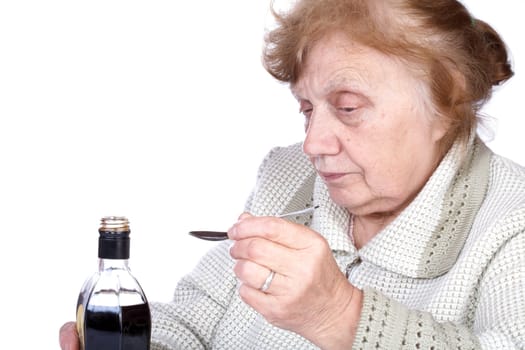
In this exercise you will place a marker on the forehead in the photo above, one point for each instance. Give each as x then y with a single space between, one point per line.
337 61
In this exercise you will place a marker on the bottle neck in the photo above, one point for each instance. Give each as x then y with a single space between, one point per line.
113 245
112 264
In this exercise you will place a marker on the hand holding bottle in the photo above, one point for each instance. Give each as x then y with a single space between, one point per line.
112 309
68 336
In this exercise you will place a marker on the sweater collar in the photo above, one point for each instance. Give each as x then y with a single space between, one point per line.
426 238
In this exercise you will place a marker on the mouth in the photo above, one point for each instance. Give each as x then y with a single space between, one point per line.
330 177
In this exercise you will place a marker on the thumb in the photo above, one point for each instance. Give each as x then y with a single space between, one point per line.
68 336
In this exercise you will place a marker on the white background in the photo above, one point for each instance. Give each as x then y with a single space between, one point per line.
156 110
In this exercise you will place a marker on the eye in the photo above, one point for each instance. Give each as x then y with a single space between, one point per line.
347 105
346 109
347 113
351 116
305 108
307 115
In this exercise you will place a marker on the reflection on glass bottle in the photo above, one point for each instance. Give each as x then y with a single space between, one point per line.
112 310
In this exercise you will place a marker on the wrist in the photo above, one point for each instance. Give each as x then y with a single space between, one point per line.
339 332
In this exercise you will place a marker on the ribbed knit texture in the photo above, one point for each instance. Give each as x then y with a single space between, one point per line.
447 273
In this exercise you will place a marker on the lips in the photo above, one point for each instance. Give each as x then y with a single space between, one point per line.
328 176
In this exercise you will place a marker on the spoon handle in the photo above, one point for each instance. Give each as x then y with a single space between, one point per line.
220 235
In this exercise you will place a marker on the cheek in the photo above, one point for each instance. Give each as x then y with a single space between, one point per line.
403 167
383 171
385 160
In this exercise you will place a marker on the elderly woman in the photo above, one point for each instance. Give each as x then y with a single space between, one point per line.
418 241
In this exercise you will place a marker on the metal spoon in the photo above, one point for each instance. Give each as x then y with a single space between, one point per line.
221 235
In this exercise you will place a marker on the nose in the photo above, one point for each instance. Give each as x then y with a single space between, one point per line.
321 135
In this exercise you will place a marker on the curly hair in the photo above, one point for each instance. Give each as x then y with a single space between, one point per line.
460 58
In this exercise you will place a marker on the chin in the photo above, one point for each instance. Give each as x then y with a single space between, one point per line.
361 203
352 201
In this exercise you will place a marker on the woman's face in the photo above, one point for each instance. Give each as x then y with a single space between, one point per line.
369 131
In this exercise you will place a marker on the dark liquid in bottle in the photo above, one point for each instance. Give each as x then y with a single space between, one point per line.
106 331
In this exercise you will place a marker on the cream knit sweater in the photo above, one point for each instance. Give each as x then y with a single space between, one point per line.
447 273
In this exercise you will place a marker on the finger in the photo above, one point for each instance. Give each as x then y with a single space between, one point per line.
267 254
265 303
279 230
251 274
68 336
244 216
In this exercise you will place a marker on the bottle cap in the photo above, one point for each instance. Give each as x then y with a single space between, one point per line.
113 242
114 224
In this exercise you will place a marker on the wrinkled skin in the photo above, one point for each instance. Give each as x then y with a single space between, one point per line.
308 295
374 143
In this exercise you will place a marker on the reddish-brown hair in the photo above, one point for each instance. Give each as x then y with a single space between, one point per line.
460 58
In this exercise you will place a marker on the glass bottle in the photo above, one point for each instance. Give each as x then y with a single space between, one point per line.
112 310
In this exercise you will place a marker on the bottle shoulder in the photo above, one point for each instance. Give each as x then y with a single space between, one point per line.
112 287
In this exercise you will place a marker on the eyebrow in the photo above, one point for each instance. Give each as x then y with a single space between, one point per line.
355 83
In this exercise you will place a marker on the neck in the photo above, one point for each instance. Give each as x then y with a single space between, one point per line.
367 227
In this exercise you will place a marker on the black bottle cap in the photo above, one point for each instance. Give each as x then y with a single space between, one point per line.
113 241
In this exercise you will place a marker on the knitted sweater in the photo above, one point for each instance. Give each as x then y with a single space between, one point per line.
447 273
